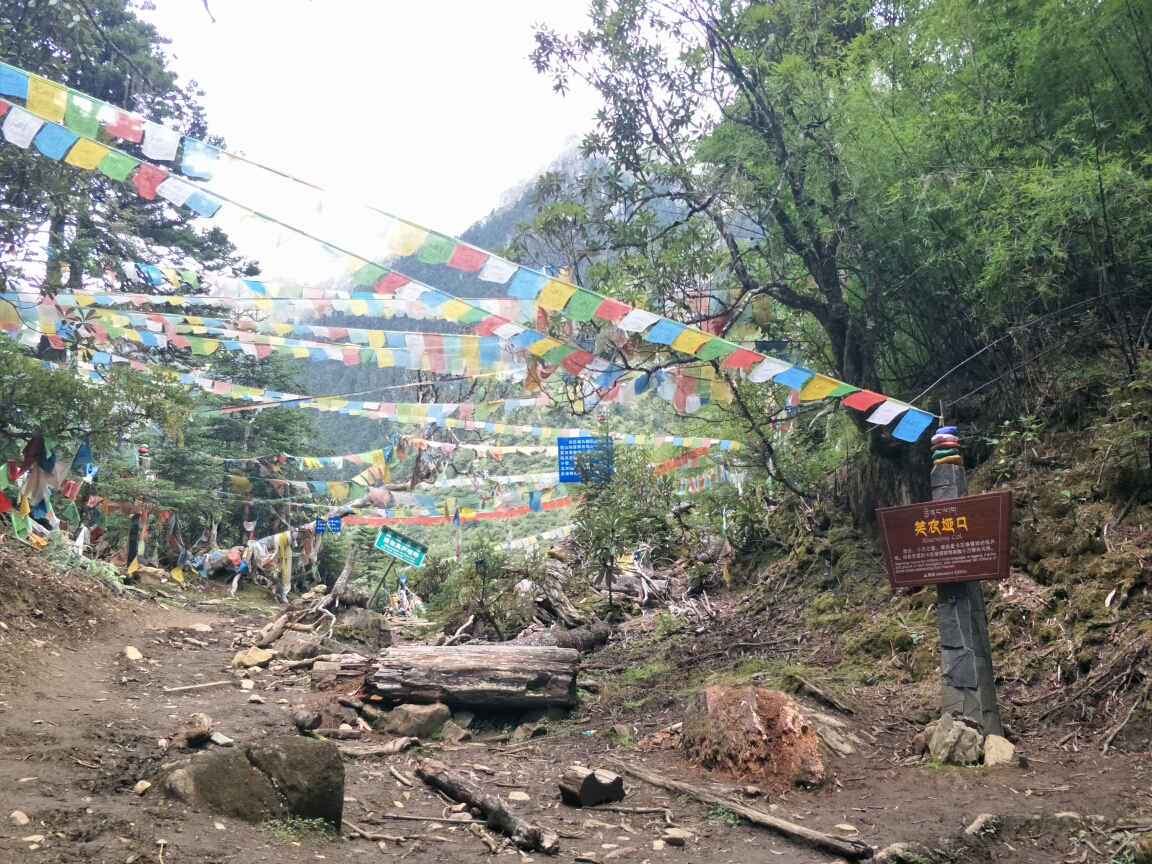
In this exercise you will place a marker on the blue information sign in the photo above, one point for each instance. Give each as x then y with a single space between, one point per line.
569 449
321 526
334 524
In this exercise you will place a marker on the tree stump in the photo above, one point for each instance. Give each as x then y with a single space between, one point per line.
585 787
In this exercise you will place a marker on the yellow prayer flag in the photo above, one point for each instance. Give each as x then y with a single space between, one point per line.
282 329
337 490
46 99
240 484
818 388
467 512
377 457
555 295
299 352
264 303
177 574
133 565
384 358
721 392
358 307
131 335
404 239
454 309
376 339
311 463
84 300
86 154
25 507
542 346
210 345
689 341
171 275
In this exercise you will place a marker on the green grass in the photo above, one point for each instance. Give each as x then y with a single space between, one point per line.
651 669
292 829
723 816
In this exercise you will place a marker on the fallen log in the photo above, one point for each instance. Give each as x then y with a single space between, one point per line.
584 638
485 676
584 787
854 850
397 745
457 786
350 659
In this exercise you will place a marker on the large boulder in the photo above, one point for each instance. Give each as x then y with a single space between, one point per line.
998 751
416 721
363 629
755 735
223 782
308 774
295 645
953 742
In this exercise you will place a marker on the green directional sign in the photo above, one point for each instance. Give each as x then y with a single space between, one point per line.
400 547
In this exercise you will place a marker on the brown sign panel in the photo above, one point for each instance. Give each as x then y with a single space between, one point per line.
950 540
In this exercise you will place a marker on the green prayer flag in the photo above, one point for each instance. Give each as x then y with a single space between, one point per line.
436 249
19 526
715 349
117 166
355 490
82 116
844 390
369 274
555 355
189 277
473 316
72 514
581 305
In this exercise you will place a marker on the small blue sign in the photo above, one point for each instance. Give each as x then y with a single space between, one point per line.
321 526
568 451
334 524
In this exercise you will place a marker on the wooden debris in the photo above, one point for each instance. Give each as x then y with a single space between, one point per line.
853 850
397 745
484 837
491 676
342 659
638 810
195 687
584 787
370 835
400 777
826 698
523 833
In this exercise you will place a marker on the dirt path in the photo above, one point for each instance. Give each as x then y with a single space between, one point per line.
81 725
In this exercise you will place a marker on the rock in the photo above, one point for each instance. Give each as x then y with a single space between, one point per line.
202 628
1068 814
224 783
132 654
657 845
998 751
893 853
919 744
460 817
544 715
463 719
18 817
371 713
247 684
308 774
844 826
194 732
220 740
416 721
759 736
980 823
621 730
350 702
952 742
305 719
141 787
362 628
344 727
526 731
324 669
519 796
676 836
453 734
295 645
256 700
252 657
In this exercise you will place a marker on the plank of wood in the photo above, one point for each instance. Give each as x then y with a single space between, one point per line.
505 675
854 850
523 833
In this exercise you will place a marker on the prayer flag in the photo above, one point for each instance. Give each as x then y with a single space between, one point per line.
160 142
13 82
117 166
664 333
391 283
122 125
436 249
637 320
767 370
54 141
582 305
862 400
497 270
690 341
199 160
612 310
741 358
82 115
203 203
795 377
147 179
819 387
176 191
87 154
717 349
20 127
46 99
887 412
555 295
526 284
467 259
912 425
404 238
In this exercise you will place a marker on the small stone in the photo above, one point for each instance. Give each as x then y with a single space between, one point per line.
919 744
893 853
305 719
1069 814
141 787
526 731
998 751
252 657
220 826
844 826
676 836
19 818
344 727
460 817
220 740
519 796
247 685
984 820
132 654
453 734
195 731
322 669
202 628
163 743
657 845
416 721
620 730
256 700
350 702
371 713
33 838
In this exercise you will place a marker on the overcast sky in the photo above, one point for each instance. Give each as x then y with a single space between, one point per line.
428 109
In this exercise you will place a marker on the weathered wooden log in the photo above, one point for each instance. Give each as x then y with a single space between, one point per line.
458 787
586 787
482 676
342 659
845 847
584 638
396 745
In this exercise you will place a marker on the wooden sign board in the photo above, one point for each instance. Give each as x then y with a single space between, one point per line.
951 540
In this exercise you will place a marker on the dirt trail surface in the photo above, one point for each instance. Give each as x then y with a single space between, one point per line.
81 725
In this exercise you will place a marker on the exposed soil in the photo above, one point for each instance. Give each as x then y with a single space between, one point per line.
81 726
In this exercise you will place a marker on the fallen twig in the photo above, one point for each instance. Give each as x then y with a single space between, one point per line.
195 686
370 835
401 777
614 809
845 847
1139 699
484 837
397 745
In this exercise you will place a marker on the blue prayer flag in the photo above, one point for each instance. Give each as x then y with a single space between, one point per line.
13 82
664 332
54 141
526 284
796 377
912 425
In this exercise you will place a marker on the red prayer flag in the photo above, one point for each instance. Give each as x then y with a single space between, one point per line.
742 358
390 283
147 178
4 106
263 351
467 259
612 310
178 341
56 342
490 325
124 126
351 357
5 504
68 489
863 400
576 362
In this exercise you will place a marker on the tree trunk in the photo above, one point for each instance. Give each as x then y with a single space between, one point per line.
482 676
584 787
884 473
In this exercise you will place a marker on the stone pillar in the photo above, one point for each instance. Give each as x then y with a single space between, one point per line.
968 685
134 537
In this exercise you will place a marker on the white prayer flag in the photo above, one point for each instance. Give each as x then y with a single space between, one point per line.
637 320
20 127
175 191
768 369
497 270
887 412
160 142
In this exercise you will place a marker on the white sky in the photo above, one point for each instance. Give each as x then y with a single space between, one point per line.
428 109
